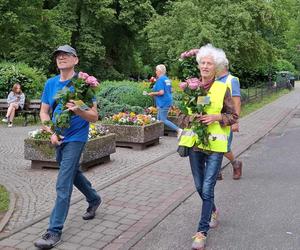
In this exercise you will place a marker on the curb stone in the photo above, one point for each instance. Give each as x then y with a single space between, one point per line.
10 211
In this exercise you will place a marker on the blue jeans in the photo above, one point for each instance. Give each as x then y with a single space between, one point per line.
68 156
162 115
205 169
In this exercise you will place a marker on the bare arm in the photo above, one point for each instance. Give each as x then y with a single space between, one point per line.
90 115
44 115
44 112
237 104
161 92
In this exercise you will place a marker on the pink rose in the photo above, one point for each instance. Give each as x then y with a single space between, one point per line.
83 75
183 55
182 85
92 81
193 83
189 53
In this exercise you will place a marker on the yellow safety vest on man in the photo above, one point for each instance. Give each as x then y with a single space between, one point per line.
218 137
228 81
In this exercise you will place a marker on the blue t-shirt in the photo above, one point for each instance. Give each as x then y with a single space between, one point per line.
79 128
235 84
165 100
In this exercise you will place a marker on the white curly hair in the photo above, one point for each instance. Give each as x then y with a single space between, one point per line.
218 56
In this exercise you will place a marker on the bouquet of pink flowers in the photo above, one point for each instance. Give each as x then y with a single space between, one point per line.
194 98
82 93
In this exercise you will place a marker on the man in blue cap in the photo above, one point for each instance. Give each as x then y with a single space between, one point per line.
69 149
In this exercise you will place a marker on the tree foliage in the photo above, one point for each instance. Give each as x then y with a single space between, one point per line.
118 39
248 31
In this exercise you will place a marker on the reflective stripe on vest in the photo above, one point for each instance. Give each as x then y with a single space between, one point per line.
218 135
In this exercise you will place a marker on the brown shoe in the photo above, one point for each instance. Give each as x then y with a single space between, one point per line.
237 169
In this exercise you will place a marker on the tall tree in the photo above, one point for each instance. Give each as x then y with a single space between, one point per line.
241 28
123 45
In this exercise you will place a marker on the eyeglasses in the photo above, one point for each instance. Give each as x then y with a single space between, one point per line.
63 55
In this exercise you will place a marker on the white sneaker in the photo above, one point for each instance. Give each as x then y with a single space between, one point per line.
4 120
10 125
214 221
199 240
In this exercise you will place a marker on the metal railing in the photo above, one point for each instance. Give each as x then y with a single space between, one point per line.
252 94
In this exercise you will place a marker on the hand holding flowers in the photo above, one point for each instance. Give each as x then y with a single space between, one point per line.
78 96
194 98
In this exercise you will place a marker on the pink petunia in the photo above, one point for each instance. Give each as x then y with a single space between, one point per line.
193 83
92 81
83 75
182 85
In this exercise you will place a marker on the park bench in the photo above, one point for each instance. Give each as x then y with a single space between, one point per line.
31 107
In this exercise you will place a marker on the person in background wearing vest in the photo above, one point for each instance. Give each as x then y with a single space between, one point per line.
206 161
69 151
234 85
162 91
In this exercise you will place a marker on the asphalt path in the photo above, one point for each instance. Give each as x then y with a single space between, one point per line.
260 211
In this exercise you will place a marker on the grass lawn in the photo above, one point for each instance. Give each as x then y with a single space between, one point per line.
252 106
19 121
4 200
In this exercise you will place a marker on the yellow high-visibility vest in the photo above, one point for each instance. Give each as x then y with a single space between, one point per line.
218 138
228 81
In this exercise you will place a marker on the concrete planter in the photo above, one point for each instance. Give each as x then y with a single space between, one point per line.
168 131
136 137
42 152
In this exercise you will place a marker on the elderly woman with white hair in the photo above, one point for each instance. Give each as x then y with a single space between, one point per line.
162 91
206 160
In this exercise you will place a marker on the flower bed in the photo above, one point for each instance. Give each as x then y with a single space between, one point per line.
41 152
130 134
125 118
172 116
151 110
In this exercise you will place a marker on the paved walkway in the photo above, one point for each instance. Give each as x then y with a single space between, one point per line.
139 187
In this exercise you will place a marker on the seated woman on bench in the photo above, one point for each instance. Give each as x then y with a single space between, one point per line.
15 100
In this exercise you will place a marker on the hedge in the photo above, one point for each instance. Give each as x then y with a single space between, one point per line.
30 79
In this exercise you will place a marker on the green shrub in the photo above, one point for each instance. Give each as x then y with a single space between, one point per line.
114 97
107 108
125 92
284 65
30 79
